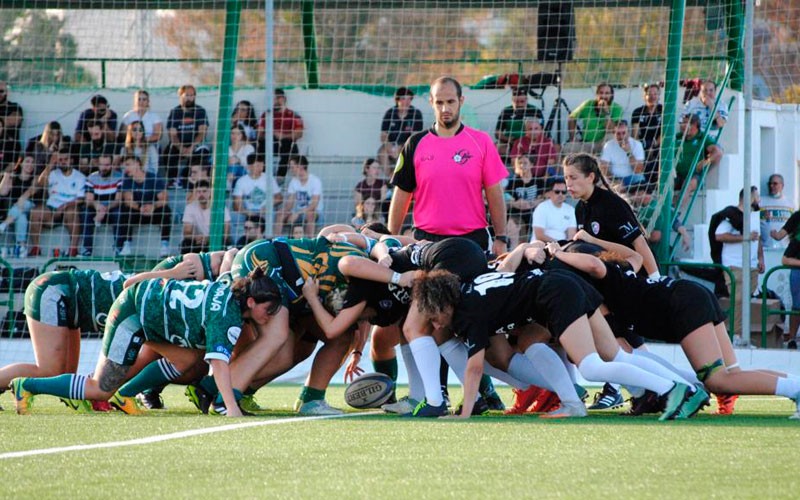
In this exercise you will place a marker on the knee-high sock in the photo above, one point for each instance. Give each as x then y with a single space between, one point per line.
504 376
153 375
788 387
428 360
68 386
455 353
686 374
651 366
416 390
387 366
595 369
550 367
567 363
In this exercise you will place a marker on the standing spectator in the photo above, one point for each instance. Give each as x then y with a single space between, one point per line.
646 127
554 220
153 124
245 116
103 201
597 118
702 104
97 145
98 113
521 194
729 233
187 125
287 129
144 201
791 257
136 145
9 148
17 191
238 151
371 186
710 155
253 230
65 192
446 170
398 123
776 209
539 148
511 122
623 156
250 192
10 113
197 221
43 146
303 204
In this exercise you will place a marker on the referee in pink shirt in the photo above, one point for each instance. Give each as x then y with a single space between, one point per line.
446 169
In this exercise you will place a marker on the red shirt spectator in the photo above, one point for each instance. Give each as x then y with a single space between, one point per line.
537 146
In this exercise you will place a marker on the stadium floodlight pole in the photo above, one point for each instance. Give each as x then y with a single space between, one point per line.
269 91
233 11
746 171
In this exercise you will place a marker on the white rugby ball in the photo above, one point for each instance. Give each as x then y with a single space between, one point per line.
370 390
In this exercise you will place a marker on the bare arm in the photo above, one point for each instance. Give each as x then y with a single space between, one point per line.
398 209
634 258
222 377
589 264
472 378
497 210
648 259
362 267
331 326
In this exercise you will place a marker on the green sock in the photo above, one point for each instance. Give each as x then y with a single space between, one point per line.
311 394
236 394
486 386
153 375
250 391
209 385
68 386
387 366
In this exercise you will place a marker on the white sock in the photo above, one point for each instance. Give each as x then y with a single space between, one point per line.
416 390
787 387
595 369
503 376
455 353
651 366
547 363
567 364
428 360
686 374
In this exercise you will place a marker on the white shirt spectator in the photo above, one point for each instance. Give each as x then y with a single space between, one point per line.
302 193
617 158
242 154
554 220
201 219
732 252
254 192
696 107
62 189
775 211
149 121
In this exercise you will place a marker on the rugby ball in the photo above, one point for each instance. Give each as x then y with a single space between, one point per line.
370 390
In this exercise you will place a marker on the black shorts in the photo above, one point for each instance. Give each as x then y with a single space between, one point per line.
460 256
624 331
479 236
563 298
690 307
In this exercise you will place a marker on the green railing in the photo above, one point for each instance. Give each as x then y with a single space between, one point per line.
710 265
765 311
9 302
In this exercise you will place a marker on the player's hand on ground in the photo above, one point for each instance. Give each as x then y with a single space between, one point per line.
352 370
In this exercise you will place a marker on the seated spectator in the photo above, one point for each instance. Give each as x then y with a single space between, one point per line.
511 122
17 191
9 148
538 148
776 208
144 201
136 145
398 124
198 171
287 129
250 194
694 144
646 128
597 118
103 201
10 113
97 145
197 221
521 198
367 211
43 146
623 157
371 186
65 193
187 125
701 106
153 124
245 116
98 113
303 204
253 230
554 220
238 151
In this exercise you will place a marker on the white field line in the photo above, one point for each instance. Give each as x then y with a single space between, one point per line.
168 437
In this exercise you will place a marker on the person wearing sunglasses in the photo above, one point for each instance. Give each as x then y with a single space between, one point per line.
554 220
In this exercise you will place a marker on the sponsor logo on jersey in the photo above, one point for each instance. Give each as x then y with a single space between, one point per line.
595 227
100 319
462 156
233 334
216 303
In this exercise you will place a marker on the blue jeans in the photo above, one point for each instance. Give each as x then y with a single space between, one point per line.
20 216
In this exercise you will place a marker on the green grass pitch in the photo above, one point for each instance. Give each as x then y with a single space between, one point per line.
752 454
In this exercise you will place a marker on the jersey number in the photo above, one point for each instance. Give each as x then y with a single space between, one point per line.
492 280
194 302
